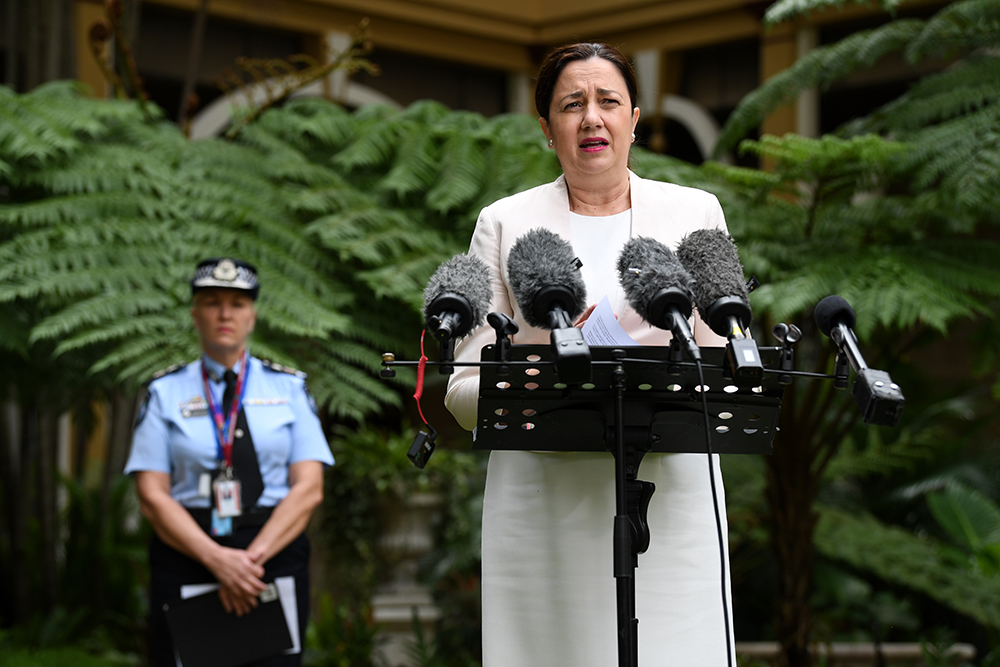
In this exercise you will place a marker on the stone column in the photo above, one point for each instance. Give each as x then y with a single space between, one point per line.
407 537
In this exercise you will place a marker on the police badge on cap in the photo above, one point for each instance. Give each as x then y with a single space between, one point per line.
229 273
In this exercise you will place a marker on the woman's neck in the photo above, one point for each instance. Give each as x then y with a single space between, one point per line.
227 358
599 201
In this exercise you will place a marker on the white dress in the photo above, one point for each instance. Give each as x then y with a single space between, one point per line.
548 583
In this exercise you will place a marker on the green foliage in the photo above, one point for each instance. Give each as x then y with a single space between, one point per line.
849 607
782 10
907 266
345 215
972 521
59 657
948 118
101 605
893 214
341 635
371 485
818 68
371 477
899 557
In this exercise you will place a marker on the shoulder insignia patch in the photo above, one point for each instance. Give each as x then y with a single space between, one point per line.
141 414
166 371
278 368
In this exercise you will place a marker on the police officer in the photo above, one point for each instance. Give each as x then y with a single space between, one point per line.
228 457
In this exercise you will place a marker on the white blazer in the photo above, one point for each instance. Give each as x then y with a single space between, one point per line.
663 211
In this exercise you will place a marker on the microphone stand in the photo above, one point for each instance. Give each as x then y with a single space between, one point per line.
649 411
631 530
651 407
625 561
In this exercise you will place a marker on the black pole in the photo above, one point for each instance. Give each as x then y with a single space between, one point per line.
625 559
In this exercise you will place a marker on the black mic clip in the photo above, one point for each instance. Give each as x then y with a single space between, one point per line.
505 326
422 448
841 372
732 313
789 335
446 354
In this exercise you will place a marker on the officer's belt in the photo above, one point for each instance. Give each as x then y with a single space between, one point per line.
254 517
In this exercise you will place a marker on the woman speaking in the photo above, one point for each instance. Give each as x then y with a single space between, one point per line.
548 591
228 457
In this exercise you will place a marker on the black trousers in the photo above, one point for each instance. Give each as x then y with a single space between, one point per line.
169 570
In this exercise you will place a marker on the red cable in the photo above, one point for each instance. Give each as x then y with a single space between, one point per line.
420 377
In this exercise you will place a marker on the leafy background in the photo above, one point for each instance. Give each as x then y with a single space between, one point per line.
847 532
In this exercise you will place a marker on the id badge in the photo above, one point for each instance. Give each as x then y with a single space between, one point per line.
221 527
227 496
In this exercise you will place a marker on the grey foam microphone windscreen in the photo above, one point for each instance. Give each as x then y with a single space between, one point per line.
646 266
542 259
710 256
464 276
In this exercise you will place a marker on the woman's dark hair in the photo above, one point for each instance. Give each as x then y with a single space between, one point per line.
556 62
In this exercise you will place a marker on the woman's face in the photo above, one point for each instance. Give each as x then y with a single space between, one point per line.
224 319
591 121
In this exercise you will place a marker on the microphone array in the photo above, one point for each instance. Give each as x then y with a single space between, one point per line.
662 287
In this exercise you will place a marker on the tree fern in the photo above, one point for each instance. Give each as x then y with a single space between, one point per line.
102 239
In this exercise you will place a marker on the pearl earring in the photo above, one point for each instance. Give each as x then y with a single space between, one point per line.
633 136
550 143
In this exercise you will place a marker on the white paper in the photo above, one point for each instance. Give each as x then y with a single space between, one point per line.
286 594
602 327
289 603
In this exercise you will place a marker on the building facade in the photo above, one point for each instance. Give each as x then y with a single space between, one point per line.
695 58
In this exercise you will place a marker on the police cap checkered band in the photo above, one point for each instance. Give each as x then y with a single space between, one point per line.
224 272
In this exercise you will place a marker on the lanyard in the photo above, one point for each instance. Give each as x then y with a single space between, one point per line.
225 428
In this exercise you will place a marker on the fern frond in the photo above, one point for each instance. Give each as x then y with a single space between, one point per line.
316 127
120 306
463 170
376 135
76 209
368 233
964 88
900 558
784 10
415 165
404 279
877 457
819 68
969 517
959 28
962 156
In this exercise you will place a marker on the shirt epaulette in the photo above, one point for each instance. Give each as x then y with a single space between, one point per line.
270 365
166 371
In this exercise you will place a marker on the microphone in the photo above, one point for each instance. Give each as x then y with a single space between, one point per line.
658 287
455 301
545 279
879 398
720 293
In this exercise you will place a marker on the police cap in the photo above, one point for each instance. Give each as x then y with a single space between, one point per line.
224 272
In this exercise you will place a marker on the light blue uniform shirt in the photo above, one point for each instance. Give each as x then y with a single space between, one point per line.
175 431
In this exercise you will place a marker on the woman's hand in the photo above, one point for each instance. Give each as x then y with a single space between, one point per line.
239 578
580 321
238 571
